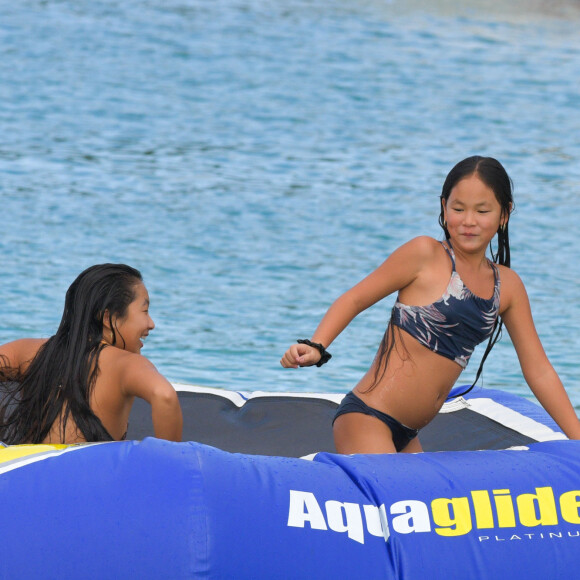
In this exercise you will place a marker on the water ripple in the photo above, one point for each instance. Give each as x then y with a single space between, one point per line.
255 161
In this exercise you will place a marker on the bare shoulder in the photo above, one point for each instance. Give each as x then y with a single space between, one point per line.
407 261
21 351
423 245
124 363
512 288
419 250
510 281
136 374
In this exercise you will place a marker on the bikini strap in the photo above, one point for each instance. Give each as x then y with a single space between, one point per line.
449 249
496 279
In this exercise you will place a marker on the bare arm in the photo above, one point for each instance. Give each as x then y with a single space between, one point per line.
399 270
141 379
538 372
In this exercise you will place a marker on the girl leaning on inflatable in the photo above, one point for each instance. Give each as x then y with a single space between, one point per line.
79 385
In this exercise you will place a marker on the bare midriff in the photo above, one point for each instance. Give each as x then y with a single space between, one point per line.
414 385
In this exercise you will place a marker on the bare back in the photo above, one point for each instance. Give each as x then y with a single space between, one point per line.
108 402
122 375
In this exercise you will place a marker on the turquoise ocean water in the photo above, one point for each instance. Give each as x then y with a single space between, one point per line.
257 159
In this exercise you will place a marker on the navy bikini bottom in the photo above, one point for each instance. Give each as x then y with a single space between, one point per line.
402 434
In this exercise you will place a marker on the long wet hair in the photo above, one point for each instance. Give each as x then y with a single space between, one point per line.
493 174
60 379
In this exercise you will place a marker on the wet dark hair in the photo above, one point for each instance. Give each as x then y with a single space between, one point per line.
62 375
493 174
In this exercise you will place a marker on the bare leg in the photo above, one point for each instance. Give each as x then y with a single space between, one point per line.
359 433
414 446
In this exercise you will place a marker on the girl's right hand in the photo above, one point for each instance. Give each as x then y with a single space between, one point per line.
300 355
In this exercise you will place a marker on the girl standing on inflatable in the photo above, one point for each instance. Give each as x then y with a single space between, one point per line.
79 385
451 297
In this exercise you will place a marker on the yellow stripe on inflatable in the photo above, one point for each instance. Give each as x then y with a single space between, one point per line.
15 456
19 451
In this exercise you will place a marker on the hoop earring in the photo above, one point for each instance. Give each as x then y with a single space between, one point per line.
445 224
502 228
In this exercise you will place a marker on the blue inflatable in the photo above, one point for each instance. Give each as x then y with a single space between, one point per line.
155 509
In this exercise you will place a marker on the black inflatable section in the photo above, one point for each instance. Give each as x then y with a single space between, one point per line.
465 430
276 425
294 426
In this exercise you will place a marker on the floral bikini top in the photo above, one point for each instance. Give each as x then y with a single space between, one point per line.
456 323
